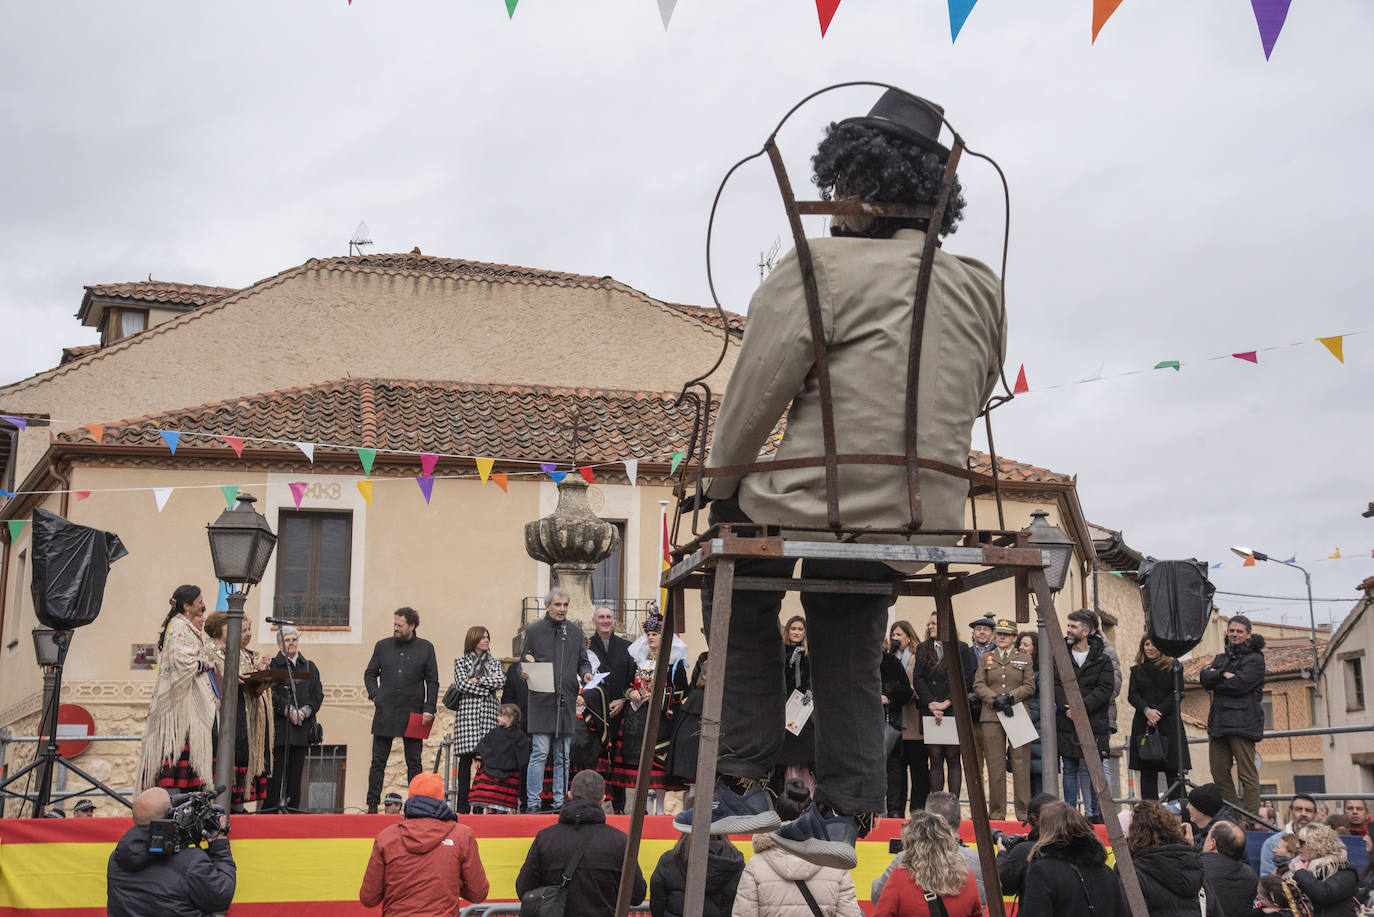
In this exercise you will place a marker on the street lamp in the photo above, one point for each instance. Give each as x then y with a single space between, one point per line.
1057 550
241 544
1247 553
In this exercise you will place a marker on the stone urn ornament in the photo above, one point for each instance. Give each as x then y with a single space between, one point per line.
572 540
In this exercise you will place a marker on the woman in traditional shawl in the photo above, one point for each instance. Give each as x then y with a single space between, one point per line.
634 723
178 741
253 742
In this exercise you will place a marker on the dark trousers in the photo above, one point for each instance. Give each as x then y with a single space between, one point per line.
945 758
1149 783
845 634
464 782
381 750
907 767
290 767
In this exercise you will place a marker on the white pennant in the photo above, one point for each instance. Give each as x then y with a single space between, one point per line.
162 494
632 469
308 449
665 9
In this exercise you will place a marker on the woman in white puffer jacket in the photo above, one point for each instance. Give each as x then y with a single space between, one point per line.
768 887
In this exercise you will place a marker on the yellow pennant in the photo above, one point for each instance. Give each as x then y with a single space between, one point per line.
365 488
1336 345
1336 556
484 468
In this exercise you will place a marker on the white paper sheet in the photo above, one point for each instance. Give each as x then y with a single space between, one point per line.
540 676
798 712
597 679
1018 726
947 733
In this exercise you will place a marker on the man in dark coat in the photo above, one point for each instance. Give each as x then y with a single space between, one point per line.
189 883
1230 880
1014 858
295 704
1093 671
553 639
402 678
1236 720
612 654
581 826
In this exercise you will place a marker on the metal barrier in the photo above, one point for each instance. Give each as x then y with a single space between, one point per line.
513 907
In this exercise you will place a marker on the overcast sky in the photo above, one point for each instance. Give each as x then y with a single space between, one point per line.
1174 197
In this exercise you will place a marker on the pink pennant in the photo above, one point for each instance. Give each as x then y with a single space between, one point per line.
427 462
298 491
82 494
235 443
1248 356
426 487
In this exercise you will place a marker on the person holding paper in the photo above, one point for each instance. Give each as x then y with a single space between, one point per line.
934 701
562 647
1005 678
402 678
625 759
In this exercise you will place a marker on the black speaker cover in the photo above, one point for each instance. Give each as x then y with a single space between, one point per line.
1178 602
70 563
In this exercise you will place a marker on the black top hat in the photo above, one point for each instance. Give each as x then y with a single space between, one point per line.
907 117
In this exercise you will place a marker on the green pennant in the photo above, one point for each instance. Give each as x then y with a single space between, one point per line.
677 460
510 8
16 526
1168 364
230 491
367 457
1116 574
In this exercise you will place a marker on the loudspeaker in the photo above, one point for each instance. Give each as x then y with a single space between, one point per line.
1178 603
70 563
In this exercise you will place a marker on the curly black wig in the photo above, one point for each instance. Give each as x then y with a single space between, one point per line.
865 163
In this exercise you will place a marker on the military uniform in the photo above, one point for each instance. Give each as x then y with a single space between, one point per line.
1012 673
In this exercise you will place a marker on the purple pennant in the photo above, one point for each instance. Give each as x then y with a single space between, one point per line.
1270 15
1292 560
19 422
426 487
547 467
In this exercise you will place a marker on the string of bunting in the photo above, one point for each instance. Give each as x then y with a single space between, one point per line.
1270 16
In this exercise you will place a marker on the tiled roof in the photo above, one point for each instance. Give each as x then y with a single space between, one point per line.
1283 660
1009 470
182 294
733 321
77 352
457 267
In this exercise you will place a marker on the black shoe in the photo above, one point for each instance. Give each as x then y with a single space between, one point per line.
823 839
732 812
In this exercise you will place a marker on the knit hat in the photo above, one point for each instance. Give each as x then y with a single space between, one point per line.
431 785
1206 799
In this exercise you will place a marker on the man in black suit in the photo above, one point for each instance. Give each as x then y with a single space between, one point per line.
401 678
293 722
612 657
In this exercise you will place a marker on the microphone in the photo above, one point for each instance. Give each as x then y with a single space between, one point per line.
279 621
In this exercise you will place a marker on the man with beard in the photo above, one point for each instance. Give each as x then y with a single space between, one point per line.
1093 671
402 678
1235 721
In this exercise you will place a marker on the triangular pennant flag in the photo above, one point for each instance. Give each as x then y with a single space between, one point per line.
308 449
826 10
484 468
500 481
161 494
1336 556
1021 386
558 476
5 493
1336 345
678 456
365 488
510 8
1270 15
235 443
16 526
547 467
665 9
1115 573
297 491
958 12
426 486
367 457
231 491
1216 566
632 470
19 422
97 430
81 494
1292 560
427 462
171 438
1249 560
1248 356
1168 364
586 474
222 600
1102 11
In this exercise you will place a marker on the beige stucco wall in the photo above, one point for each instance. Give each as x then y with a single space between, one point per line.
1281 759
1341 770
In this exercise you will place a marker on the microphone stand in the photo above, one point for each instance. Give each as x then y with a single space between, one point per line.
1182 783
283 806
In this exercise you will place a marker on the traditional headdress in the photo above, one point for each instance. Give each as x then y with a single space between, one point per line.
653 622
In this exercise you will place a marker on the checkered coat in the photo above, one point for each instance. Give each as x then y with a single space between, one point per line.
476 714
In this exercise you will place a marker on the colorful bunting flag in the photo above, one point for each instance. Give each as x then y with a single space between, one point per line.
1216 566
1102 11
825 9
484 468
665 10
171 438
958 13
367 457
547 467
1292 560
510 8
632 470
16 526
500 481
427 462
1168 364
97 430
1021 386
1248 356
1249 560
162 495
678 456
82 494
5 493
19 422
426 486
235 443
1335 344
222 600
1336 556
365 488
586 474
558 476
297 491
1270 16
308 449
1116 573
231 491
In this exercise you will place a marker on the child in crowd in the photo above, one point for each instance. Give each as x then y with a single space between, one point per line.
503 753
1285 855
1281 898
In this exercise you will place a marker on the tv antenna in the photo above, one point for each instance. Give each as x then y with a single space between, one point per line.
769 258
360 238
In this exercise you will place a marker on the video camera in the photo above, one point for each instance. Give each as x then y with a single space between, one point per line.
193 817
1007 841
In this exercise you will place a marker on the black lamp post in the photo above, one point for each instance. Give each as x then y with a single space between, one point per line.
1057 550
241 544
47 649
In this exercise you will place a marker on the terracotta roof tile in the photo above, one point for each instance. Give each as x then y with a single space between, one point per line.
1010 470
184 294
733 321
457 267
1283 660
77 352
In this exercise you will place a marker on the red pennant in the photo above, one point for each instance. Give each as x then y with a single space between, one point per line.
1249 561
586 474
1248 356
826 10
1021 386
81 494
235 443
500 481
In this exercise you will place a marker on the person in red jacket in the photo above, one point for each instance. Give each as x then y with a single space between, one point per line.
428 862
930 868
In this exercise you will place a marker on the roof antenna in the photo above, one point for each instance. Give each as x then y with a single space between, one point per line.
767 260
360 238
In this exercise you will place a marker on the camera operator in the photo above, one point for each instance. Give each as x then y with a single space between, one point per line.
186 881
1014 857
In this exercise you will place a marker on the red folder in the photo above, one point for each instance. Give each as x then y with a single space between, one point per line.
418 728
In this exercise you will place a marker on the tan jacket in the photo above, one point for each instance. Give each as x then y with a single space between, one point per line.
768 886
867 292
1015 677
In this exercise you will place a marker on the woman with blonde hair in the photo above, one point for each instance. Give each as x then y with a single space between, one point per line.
1067 875
478 679
253 741
931 869
1327 878
178 741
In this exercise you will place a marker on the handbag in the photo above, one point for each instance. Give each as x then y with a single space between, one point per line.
452 696
316 734
1151 749
891 736
551 900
